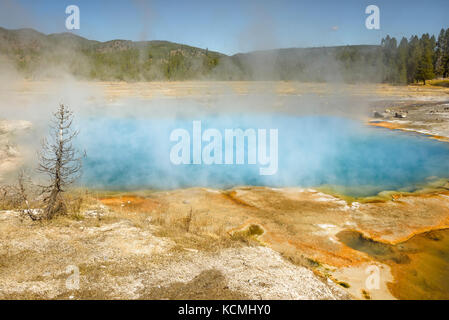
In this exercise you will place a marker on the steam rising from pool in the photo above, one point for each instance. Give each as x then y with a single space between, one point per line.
134 153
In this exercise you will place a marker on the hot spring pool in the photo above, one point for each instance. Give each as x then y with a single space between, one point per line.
313 151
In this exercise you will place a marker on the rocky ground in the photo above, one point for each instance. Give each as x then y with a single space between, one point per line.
426 117
120 256
256 243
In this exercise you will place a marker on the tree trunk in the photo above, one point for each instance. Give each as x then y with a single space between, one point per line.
55 205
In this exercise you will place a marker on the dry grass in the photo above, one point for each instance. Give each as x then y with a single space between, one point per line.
9 198
192 226
76 201
249 235
440 83
188 227
133 229
193 229
114 254
155 245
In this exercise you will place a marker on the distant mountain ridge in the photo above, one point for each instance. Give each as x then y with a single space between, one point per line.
38 55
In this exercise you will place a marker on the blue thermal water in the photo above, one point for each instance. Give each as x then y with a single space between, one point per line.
134 153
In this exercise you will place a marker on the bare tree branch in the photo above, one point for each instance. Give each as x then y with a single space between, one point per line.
59 160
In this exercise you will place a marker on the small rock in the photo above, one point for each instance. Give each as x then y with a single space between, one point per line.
377 115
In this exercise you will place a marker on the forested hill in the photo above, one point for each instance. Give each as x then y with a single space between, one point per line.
38 55
344 63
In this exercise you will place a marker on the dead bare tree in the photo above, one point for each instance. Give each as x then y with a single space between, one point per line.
9 197
188 220
22 182
59 160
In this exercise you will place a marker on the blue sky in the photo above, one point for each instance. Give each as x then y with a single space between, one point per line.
232 26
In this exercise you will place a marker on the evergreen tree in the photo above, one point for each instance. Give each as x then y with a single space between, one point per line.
414 55
433 46
402 60
440 51
445 54
425 69
389 46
